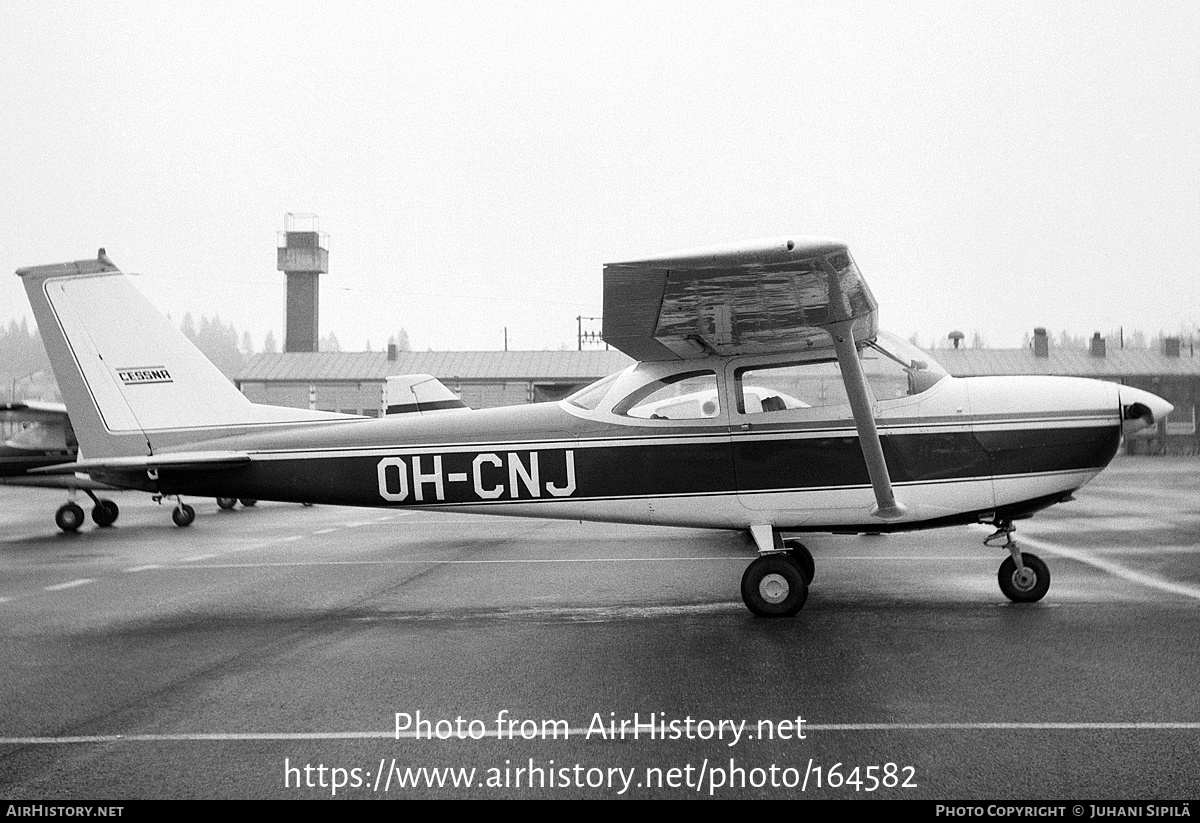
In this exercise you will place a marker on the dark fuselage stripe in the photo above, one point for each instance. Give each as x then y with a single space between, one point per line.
495 474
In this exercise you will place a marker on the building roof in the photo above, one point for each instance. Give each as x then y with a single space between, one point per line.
325 367
584 366
1065 362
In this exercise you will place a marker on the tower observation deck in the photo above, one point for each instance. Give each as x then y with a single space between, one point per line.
303 255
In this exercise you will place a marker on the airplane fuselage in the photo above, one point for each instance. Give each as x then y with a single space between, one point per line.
964 450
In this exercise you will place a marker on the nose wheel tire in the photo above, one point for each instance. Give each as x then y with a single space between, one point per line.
69 517
774 586
183 515
226 502
1027 585
247 502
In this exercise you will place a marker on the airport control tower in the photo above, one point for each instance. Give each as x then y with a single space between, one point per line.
303 256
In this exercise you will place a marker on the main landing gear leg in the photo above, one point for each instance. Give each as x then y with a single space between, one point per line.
776 583
105 512
1023 577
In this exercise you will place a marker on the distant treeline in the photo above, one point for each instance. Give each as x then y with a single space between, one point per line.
219 342
25 368
21 350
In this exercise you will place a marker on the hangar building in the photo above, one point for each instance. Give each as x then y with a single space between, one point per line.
354 382
1172 372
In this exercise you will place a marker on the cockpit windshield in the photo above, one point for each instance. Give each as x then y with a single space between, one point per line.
913 371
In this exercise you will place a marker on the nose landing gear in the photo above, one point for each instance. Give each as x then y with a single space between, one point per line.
1023 577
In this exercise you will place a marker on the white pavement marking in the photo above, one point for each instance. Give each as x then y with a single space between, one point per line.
582 733
81 582
325 531
1111 523
1112 568
147 567
903 557
437 561
20 538
197 558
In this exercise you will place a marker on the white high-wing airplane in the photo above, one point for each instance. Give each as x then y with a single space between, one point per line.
46 439
765 399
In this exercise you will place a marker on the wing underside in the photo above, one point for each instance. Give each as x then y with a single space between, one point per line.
756 297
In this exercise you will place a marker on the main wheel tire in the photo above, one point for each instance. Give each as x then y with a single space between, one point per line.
804 557
774 586
69 517
226 502
183 515
105 513
1024 586
247 502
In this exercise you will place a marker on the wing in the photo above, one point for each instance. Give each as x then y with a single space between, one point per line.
753 297
757 297
33 411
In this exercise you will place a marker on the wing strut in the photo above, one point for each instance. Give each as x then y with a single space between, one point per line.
887 507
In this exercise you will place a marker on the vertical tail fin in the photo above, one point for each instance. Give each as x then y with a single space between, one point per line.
420 393
132 382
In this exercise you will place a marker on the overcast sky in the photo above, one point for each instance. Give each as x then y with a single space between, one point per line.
994 166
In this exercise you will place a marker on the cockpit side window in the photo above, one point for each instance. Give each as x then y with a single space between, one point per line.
789 386
589 397
687 396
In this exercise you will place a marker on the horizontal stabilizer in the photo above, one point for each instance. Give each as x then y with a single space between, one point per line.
178 460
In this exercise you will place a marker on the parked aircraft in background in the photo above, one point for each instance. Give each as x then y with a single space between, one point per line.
44 438
420 394
765 399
